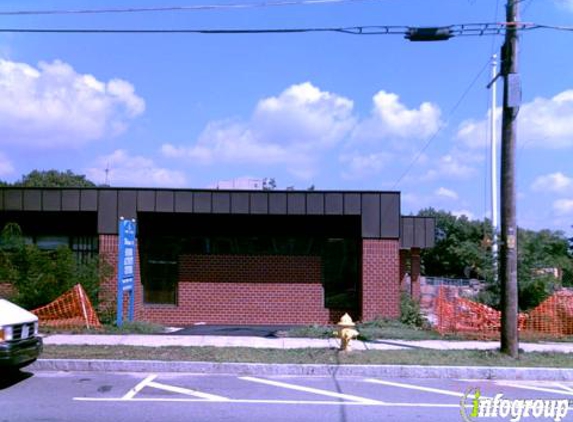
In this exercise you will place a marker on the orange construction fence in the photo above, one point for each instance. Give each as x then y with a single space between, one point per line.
73 309
457 315
554 316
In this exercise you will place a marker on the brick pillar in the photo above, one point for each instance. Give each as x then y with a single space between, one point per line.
108 285
415 276
380 279
404 257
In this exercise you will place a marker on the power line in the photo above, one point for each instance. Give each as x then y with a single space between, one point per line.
457 30
439 130
356 30
195 8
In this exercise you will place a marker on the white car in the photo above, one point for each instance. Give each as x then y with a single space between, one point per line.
20 344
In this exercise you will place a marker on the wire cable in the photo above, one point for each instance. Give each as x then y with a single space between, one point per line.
442 126
457 30
203 7
356 30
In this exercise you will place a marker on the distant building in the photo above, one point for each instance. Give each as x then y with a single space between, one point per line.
555 272
241 184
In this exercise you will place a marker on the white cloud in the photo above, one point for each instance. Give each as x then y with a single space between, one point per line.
6 167
291 129
54 106
554 182
567 4
467 213
303 115
563 207
359 166
477 133
391 119
127 170
446 193
455 164
542 123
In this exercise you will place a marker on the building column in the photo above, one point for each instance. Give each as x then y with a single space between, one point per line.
380 279
404 258
415 275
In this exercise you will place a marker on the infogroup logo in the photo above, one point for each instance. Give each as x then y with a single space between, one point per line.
474 406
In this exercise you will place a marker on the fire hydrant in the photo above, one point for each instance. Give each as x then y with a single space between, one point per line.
345 332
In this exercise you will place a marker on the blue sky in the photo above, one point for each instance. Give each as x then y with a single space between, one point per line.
325 109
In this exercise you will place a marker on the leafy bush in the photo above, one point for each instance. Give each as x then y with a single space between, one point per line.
535 291
41 276
531 292
410 311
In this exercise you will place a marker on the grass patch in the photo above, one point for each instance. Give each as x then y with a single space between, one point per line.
310 331
392 329
135 327
375 330
309 356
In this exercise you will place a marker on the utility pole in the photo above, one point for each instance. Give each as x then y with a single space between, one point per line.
508 250
494 169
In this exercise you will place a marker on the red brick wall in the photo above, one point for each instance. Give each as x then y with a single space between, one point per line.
219 289
260 289
236 289
380 279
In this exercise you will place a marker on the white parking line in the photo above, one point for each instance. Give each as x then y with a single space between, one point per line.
131 393
186 391
311 390
563 386
279 402
148 382
567 392
418 387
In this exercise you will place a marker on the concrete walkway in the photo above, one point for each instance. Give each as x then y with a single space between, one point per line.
391 371
289 343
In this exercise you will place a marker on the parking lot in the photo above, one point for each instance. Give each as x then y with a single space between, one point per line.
65 396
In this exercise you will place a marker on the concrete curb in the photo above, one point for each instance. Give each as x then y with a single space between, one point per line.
390 371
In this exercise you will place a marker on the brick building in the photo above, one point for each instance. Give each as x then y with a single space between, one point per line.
249 257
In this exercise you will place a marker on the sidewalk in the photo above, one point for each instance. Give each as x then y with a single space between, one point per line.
272 369
289 343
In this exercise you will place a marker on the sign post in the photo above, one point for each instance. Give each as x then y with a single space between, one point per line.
126 267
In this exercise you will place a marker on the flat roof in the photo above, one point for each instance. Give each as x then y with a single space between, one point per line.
379 210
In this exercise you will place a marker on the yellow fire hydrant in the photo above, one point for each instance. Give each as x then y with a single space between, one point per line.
345 332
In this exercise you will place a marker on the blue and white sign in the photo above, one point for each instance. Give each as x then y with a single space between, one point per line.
126 266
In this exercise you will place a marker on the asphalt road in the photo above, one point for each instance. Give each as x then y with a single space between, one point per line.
141 397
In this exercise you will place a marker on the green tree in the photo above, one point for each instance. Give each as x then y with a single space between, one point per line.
269 183
40 276
538 253
54 179
460 250
463 250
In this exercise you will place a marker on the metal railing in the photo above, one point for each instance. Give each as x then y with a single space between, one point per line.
441 281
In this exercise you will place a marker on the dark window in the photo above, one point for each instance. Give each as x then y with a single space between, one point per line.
161 282
84 247
340 273
159 269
